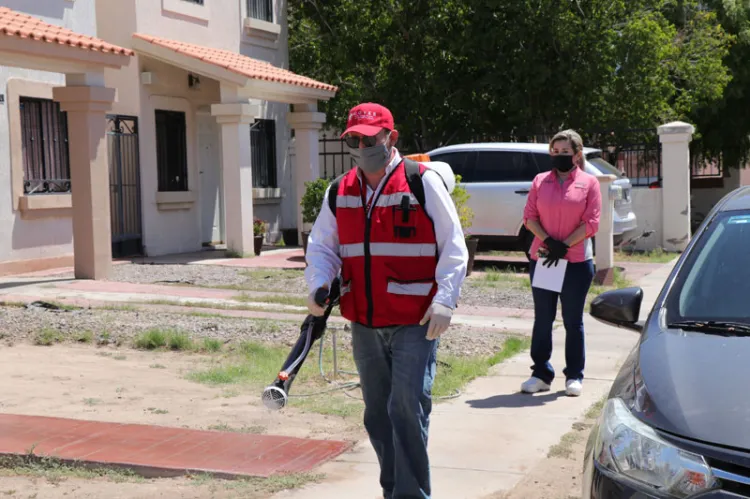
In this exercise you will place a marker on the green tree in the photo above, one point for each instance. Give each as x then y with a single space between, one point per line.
499 69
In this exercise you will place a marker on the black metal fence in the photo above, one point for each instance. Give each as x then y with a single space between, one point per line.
44 136
125 185
635 152
334 158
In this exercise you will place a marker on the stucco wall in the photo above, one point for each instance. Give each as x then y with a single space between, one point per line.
168 230
48 233
647 206
216 24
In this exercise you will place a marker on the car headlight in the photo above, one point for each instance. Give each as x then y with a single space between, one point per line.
629 448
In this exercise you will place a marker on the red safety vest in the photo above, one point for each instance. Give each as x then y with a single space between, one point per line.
388 258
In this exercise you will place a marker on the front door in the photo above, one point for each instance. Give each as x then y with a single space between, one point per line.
211 195
125 186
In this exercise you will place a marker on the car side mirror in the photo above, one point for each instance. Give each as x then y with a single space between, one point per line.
619 307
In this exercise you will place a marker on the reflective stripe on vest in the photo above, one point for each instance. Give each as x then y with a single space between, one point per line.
384 201
410 288
387 249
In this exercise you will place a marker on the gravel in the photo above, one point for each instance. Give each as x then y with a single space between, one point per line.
277 280
120 327
496 290
506 295
476 291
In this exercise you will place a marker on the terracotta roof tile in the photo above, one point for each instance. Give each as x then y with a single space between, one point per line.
13 23
238 63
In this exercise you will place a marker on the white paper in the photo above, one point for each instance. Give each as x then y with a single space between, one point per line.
549 278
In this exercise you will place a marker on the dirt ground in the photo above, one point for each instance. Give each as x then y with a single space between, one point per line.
129 386
559 475
181 488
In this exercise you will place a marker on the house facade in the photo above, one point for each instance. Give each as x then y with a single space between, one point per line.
208 130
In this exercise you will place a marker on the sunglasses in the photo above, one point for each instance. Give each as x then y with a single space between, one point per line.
353 142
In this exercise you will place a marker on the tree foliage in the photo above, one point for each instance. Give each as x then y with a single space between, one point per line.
454 71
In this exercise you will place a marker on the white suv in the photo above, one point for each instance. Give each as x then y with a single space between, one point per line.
498 177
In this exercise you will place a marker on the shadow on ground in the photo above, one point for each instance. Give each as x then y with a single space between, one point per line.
515 400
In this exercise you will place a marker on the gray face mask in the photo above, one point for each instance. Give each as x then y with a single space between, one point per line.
371 159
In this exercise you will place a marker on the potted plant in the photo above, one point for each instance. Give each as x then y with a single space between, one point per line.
259 230
311 203
466 217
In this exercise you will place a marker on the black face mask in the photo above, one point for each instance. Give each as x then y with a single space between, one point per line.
562 163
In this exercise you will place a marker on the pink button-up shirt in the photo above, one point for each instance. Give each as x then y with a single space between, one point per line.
561 209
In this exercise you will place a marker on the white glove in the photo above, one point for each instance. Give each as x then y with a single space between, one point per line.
440 318
313 307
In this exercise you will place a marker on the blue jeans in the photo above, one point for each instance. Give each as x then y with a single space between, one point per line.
396 368
578 278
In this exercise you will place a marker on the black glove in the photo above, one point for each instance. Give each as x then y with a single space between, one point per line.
556 251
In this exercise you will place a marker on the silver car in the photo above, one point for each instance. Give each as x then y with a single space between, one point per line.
498 177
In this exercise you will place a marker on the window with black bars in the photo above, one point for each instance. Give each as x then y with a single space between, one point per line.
263 150
171 151
261 9
44 137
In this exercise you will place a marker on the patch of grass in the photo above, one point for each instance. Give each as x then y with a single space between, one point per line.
263 274
91 401
657 255
596 409
254 429
455 372
154 410
297 301
172 339
564 449
151 339
62 306
104 338
222 306
55 470
157 366
84 337
12 304
120 357
119 308
251 366
211 345
494 278
46 337
252 487
179 341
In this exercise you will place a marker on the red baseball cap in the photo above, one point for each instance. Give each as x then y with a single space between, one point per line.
368 119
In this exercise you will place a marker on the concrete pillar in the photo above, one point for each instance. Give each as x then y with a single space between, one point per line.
86 102
306 122
237 174
605 256
675 170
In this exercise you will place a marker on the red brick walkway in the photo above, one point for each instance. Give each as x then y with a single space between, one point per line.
163 451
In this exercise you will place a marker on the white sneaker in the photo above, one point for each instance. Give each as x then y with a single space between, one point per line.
573 388
533 385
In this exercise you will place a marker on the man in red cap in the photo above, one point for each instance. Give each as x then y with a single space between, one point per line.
390 227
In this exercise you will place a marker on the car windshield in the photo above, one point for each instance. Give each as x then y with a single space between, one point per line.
714 281
603 166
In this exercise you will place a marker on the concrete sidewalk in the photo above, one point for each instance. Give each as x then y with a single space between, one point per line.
486 440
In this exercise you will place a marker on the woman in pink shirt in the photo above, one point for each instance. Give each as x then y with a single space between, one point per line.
562 211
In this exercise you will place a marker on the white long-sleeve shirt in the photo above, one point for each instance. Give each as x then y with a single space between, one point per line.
324 261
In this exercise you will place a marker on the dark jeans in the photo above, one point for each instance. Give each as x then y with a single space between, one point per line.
396 368
578 278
